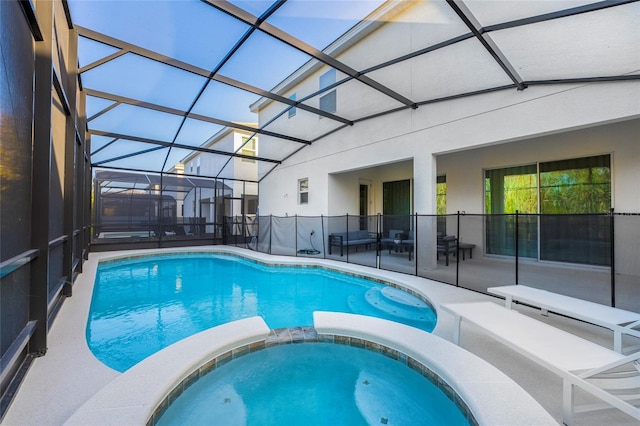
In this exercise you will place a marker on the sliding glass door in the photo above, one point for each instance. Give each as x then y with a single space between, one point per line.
571 196
396 205
574 194
507 191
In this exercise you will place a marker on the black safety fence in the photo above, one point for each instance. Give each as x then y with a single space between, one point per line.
589 256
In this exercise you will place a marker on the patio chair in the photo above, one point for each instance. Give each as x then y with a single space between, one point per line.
179 230
446 244
398 240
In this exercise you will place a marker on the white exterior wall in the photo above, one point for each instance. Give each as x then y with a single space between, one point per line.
465 170
337 163
345 187
228 141
465 124
210 164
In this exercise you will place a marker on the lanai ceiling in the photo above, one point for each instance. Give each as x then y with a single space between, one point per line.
162 77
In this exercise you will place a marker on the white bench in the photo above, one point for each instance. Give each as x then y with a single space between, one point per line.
574 359
618 320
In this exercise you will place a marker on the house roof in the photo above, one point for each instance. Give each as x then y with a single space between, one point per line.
162 77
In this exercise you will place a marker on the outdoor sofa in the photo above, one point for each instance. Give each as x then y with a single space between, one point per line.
351 239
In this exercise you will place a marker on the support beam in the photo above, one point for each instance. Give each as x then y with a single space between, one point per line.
180 146
132 154
174 111
104 146
69 86
29 10
472 23
605 79
38 307
249 19
559 14
149 54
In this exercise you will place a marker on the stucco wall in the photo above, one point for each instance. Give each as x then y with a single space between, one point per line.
344 187
566 124
465 177
433 129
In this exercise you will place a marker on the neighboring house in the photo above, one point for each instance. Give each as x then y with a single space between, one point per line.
471 148
236 191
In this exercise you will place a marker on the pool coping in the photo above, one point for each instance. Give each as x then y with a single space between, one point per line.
136 395
492 397
484 394
308 334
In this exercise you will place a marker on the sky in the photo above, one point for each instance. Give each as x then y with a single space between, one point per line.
196 33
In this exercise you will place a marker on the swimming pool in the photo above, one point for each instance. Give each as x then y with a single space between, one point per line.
141 305
313 384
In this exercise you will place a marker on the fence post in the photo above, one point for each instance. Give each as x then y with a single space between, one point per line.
517 238
160 212
270 231
613 258
415 242
458 249
295 218
347 237
378 238
324 247
244 230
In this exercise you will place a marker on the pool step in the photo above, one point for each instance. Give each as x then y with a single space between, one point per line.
397 303
398 296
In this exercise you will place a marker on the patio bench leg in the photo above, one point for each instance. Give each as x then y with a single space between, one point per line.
457 319
508 302
617 341
567 402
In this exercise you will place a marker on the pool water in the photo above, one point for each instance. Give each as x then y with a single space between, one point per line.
145 304
313 384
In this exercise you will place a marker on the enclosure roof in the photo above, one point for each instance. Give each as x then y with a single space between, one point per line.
114 181
162 77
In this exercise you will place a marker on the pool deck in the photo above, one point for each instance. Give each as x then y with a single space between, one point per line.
59 384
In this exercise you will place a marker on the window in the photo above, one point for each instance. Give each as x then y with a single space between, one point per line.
292 110
441 203
574 186
328 100
198 166
250 203
571 194
581 185
303 191
441 195
511 189
249 148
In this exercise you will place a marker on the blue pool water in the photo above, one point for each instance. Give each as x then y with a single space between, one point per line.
145 304
313 384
